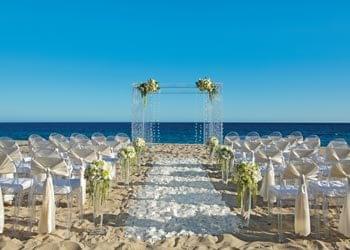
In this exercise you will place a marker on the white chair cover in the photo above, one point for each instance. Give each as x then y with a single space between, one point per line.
49 166
84 155
303 170
6 167
14 153
251 146
269 155
342 170
282 144
266 140
312 142
337 154
297 154
103 150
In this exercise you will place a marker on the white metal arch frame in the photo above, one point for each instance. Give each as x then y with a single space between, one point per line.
145 124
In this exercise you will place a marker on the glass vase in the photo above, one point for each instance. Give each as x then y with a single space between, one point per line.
212 156
246 205
98 215
125 167
224 171
138 163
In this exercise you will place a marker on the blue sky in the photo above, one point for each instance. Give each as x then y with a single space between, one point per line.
76 60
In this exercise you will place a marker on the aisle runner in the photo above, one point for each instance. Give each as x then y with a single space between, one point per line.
177 198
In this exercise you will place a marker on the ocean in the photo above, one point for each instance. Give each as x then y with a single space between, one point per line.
176 132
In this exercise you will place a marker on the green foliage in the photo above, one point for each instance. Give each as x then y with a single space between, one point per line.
151 86
246 176
98 178
209 86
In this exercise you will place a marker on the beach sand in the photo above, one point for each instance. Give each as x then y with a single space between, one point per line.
262 233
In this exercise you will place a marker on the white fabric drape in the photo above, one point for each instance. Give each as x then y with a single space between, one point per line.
48 166
2 213
269 155
341 169
6 167
303 170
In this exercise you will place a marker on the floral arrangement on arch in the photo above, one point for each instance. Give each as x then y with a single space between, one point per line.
151 86
246 176
98 176
207 85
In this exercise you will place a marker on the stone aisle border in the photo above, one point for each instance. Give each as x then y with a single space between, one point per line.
177 198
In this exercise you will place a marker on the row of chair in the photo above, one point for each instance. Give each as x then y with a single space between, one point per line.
53 168
299 169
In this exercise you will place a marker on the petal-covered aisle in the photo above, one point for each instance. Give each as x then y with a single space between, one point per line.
177 198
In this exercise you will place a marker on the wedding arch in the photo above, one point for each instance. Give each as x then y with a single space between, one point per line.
145 123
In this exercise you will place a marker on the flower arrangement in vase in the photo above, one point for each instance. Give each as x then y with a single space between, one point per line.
98 177
246 176
127 156
207 85
224 155
139 145
145 88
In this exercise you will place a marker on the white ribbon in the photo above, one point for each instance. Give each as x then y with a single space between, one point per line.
2 213
6 167
269 155
302 170
341 169
48 166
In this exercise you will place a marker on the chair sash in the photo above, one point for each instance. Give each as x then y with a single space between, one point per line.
337 154
14 153
48 166
269 155
84 155
6 167
251 146
2 213
103 150
282 144
342 170
266 141
303 170
297 154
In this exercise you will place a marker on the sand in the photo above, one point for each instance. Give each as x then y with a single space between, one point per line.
262 233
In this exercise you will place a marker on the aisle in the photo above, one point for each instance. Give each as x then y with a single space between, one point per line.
177 198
